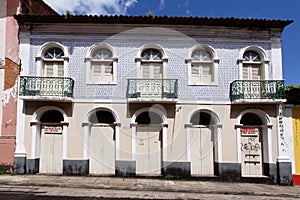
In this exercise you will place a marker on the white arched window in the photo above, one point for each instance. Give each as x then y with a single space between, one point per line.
202 66
101 65
252 69
52 61
253 64
152 62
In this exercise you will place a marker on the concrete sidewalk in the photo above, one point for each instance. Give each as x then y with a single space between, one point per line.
143 184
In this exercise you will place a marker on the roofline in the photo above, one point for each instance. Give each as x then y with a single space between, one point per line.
209 21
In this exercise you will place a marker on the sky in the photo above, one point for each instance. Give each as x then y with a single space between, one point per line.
258 9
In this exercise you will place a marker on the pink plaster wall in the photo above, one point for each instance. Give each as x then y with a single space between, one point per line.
12 28
9 114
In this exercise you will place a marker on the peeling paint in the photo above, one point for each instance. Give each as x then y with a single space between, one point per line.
10 93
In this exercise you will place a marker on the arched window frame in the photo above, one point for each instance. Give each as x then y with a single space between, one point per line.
40 59
264 61
139 60
214 65
89 60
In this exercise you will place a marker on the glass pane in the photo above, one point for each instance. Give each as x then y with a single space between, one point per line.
251 56
54 53
201 55
102 54
151 54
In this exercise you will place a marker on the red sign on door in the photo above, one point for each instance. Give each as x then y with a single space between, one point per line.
250 131
53 129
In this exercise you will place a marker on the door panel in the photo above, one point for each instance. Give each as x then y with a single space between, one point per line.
102 150
202 162
51 159
251 155
148 151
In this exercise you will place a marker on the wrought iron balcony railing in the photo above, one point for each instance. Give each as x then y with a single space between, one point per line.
152 88
257 89
46 86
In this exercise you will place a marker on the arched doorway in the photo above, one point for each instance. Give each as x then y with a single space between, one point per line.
201 144
251 145
51 150
148 144
102 143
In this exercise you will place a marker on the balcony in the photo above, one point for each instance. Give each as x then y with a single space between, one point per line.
152 90
46 88
260 91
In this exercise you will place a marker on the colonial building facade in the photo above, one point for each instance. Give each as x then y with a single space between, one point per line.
151 96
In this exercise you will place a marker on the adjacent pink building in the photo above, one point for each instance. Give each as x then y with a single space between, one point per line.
10 66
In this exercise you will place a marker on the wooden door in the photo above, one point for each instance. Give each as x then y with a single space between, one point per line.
148 151
102 150
251 153
202 162
51 152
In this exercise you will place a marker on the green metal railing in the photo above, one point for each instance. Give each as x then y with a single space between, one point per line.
46 86
152 88
257 89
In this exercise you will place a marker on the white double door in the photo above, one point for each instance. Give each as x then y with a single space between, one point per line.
201 151
148 151
102 150
51 152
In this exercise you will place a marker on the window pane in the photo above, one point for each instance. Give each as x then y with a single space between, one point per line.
54 53
102 54
201 55
251 56
151 54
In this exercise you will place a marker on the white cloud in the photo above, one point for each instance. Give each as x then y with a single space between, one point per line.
162 4
92 7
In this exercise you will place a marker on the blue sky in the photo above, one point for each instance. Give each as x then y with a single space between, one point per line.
265 9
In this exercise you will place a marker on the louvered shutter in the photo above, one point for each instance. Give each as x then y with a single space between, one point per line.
97 69
48 69
146 71
246 73
108 70
157 71
60 69
255 72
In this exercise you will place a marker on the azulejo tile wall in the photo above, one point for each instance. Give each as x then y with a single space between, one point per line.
227 52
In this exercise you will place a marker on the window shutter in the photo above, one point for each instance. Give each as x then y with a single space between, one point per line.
205 70
60 70
48 69
195 70
97 69
108 70
157 71
146 71
255 73
245 73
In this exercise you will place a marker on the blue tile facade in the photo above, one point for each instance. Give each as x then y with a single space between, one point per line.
228 53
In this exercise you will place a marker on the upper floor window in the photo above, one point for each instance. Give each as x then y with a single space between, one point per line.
52 61
253 64
151 64
202 67
101 65
252 69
